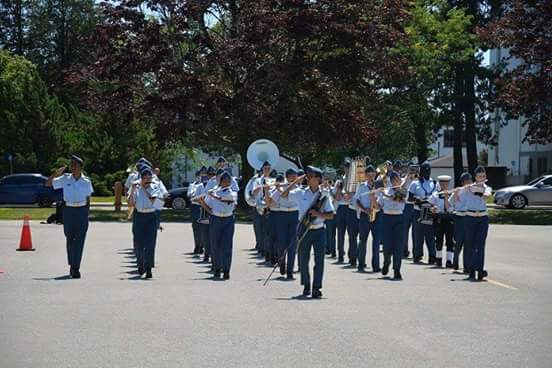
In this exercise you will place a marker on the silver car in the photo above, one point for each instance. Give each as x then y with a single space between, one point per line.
536 192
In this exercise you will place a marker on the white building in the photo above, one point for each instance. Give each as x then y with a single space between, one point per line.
522 160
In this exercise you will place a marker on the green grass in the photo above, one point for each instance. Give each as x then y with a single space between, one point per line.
496 216
105 199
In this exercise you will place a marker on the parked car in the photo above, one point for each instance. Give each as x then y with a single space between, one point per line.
536 192
178 199
28 189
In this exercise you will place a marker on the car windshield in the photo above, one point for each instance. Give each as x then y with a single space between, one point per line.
535 181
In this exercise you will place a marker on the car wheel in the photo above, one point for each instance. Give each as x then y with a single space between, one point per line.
518 201
179 203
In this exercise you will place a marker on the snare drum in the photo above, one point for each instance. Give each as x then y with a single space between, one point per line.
426 216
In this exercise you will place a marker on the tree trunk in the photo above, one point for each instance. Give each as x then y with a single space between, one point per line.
469 113
458 123
247 172
420 130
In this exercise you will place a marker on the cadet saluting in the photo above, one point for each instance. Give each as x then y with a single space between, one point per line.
144 196
76 193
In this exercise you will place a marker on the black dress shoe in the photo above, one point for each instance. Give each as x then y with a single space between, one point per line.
385 269
455 266
141 270
376 269
481 275
340 259
216 275
417 260
449 264
71 271
316 294
333 255
406 254
397 276
148 273
472 275
226 275
306 291
439 262
290 277
328 252
353 262
361 269
431 260
76 273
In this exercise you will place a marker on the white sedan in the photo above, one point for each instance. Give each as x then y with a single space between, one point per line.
536 192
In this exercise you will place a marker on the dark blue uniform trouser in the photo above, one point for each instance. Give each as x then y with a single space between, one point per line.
459 239
75 226
365 228
393 242
423 233
145 236
476 236
221 233
352 232
313 239
285 227
205 241
257 228
408 215
341 224
331 227
268 235
195 210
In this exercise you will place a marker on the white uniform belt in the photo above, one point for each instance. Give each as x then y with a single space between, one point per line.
343 203
476 213
352 208
416 207
460 213
76 204
316 227
222 214
196 203
393 213
282 209
146 210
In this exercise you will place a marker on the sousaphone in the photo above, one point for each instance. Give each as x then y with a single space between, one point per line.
260 151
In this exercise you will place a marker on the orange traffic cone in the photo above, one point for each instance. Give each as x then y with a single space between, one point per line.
26 243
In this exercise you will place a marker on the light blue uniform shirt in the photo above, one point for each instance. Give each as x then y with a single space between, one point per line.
146 199
388 205
288 203
475 202
362 194
213 183
74 191
423 190
305 200
219 208
460 204
259 197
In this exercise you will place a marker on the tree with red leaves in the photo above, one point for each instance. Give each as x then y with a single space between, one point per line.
301 73
525 90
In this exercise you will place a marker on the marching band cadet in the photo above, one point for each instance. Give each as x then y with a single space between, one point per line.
144 195
352 227
315 236
331 225
195 209
342 200
222 202
458 202
286 218
199 196
477 224
421 190
260 191
222 164
77 189
392 205
250 199
363 199
135 174
442 222
409 206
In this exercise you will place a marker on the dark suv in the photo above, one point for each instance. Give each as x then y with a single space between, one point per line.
28 189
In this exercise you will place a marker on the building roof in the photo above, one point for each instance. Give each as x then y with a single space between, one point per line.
447 162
